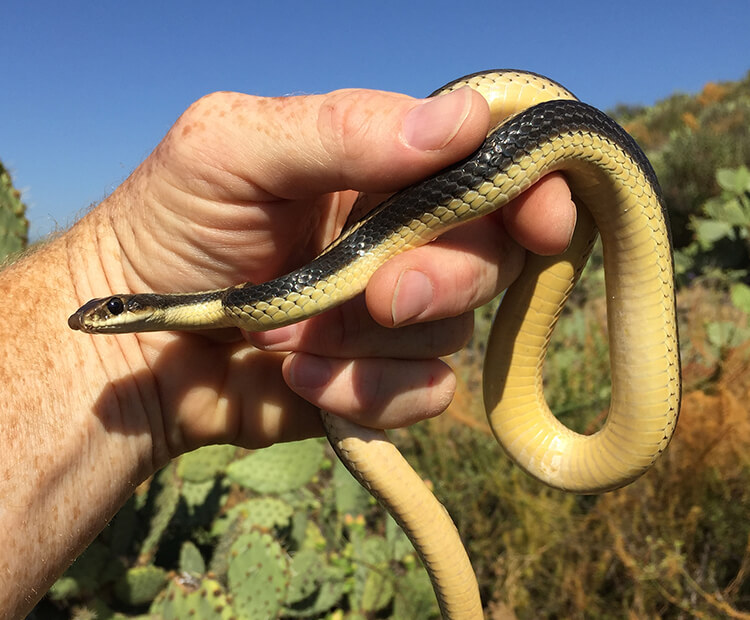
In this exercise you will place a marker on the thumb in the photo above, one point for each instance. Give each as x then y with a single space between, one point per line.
296 147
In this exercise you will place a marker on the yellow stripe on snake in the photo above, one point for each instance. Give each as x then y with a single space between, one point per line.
541 128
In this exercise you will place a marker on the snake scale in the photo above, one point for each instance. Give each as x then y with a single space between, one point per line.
540 128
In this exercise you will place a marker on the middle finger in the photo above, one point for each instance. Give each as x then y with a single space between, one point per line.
350 332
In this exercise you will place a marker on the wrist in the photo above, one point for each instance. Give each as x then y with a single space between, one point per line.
117 368
75 446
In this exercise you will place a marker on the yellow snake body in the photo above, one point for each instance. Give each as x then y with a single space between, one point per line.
541 128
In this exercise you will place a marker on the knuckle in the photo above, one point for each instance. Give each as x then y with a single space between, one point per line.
461 331
200 110
345 120
478 274
480 277
198 123
446 336
335 337
370 390
344 329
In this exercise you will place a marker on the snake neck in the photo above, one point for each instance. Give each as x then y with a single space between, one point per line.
189 311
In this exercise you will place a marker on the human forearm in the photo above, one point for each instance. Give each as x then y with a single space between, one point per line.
70 455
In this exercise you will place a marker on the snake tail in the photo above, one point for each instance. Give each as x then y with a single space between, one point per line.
381 469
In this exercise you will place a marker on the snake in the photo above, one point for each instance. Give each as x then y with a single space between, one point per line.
539 127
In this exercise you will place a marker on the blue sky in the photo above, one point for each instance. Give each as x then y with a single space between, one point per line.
89 88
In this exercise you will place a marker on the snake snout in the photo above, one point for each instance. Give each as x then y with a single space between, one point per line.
74 322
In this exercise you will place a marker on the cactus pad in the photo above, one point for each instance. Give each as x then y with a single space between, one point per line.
94 567
280 468
399 545
167 497
258 576
205 463
265 513
196 493
306 573
319 591
374 583
183 598
191 560
414 596
350 497
140 585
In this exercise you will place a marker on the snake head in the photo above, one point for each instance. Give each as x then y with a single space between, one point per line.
116 314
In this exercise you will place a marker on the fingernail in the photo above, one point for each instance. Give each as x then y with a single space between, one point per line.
412 297
432 125
309 372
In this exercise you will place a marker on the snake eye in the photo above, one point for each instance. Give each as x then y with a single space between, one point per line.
115 306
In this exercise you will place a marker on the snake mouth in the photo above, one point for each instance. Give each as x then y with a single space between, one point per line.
80 319
81 322
77 322
74 322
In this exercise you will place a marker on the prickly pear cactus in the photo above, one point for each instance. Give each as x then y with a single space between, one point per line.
191 560
14 227
400 547
305 575
350 497
121 532
258 576
200 500
205 463
315 586
94 568
331 592
265 513
374 586
281 532
280 468
188 598
167 497
414 597
140 585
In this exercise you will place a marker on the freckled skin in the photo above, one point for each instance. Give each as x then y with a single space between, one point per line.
37 375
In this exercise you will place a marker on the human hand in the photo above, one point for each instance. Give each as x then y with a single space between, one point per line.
246 188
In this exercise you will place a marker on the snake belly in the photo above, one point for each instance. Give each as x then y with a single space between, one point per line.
616 191
541 128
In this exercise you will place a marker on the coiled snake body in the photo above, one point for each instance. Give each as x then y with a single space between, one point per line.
542 128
